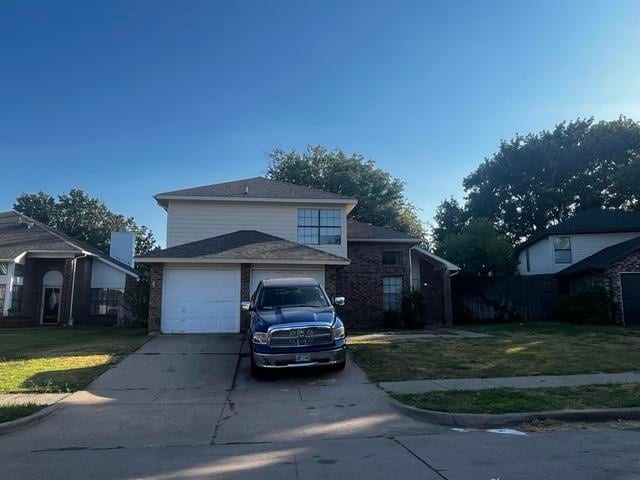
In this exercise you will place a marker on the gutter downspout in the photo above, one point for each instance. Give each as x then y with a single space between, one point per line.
73 288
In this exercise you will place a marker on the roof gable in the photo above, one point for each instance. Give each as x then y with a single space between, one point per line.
20 233
243 245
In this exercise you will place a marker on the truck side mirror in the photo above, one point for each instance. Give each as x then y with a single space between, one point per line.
245 306
338 301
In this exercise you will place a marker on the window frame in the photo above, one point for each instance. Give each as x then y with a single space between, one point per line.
18 270
558 260
17 291
398 256
319 226
389 303
103 301
3 297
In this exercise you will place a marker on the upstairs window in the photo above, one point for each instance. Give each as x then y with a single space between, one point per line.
319 226
562 249
4 268
392 258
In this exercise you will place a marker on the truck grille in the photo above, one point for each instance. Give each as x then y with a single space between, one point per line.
300 337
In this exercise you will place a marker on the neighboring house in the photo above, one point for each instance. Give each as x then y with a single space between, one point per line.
575 239
595 247
48 278
223 239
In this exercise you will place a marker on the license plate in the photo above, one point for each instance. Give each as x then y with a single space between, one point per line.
303 357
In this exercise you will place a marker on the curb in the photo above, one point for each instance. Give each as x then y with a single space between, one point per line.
487 420
38 416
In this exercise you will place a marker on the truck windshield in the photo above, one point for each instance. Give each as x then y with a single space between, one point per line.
287 297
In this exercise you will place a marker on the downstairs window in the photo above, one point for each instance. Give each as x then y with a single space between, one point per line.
105 301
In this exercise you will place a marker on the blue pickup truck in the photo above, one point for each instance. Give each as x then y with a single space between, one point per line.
294 324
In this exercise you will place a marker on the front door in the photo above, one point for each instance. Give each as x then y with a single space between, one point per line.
51 305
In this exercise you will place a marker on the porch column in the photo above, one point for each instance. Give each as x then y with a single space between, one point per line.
447 297
65 292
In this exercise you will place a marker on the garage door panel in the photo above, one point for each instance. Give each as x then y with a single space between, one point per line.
201 301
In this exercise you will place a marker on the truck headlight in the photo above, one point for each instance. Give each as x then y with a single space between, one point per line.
338 331
259 337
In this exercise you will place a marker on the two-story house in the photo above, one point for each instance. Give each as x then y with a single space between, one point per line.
594 247
223 239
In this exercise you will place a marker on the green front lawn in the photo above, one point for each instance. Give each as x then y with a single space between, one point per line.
13 412
37 360
511 400
512 350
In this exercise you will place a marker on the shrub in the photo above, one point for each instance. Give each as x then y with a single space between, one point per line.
591 306
414 310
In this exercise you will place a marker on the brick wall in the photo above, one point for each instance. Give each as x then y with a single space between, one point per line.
361 282
609 280
155 297
630 263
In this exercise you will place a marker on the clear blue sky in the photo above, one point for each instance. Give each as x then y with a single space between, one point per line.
127 99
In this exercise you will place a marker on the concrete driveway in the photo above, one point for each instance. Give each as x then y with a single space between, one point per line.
185 407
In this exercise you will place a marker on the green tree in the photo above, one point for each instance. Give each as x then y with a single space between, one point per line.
381 198
450 217
539 179
83 217
479 249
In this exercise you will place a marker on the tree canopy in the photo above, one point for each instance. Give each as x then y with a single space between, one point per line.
83 217
478 249
539 179
381 198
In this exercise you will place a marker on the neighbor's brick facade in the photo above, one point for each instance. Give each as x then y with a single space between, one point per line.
610 280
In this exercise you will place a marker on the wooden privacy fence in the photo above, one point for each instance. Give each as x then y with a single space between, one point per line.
515 298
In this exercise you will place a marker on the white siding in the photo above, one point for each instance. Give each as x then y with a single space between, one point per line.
284 271
584 245
189 221
105 276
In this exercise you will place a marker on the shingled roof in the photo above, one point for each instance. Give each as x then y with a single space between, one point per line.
20 233
593 220
603 259
258 188
248 246
360 231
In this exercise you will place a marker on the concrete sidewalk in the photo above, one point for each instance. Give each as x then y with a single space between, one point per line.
540 381
27 398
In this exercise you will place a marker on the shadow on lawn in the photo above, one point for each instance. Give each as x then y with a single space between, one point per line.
62 381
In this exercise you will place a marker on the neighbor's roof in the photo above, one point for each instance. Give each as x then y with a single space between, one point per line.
254 188
20 233
248 246
594 220
603 259
365 232
433 257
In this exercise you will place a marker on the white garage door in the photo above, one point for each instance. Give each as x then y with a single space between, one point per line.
258 275
201 300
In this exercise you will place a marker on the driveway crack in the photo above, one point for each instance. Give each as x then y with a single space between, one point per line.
419 458
227 401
